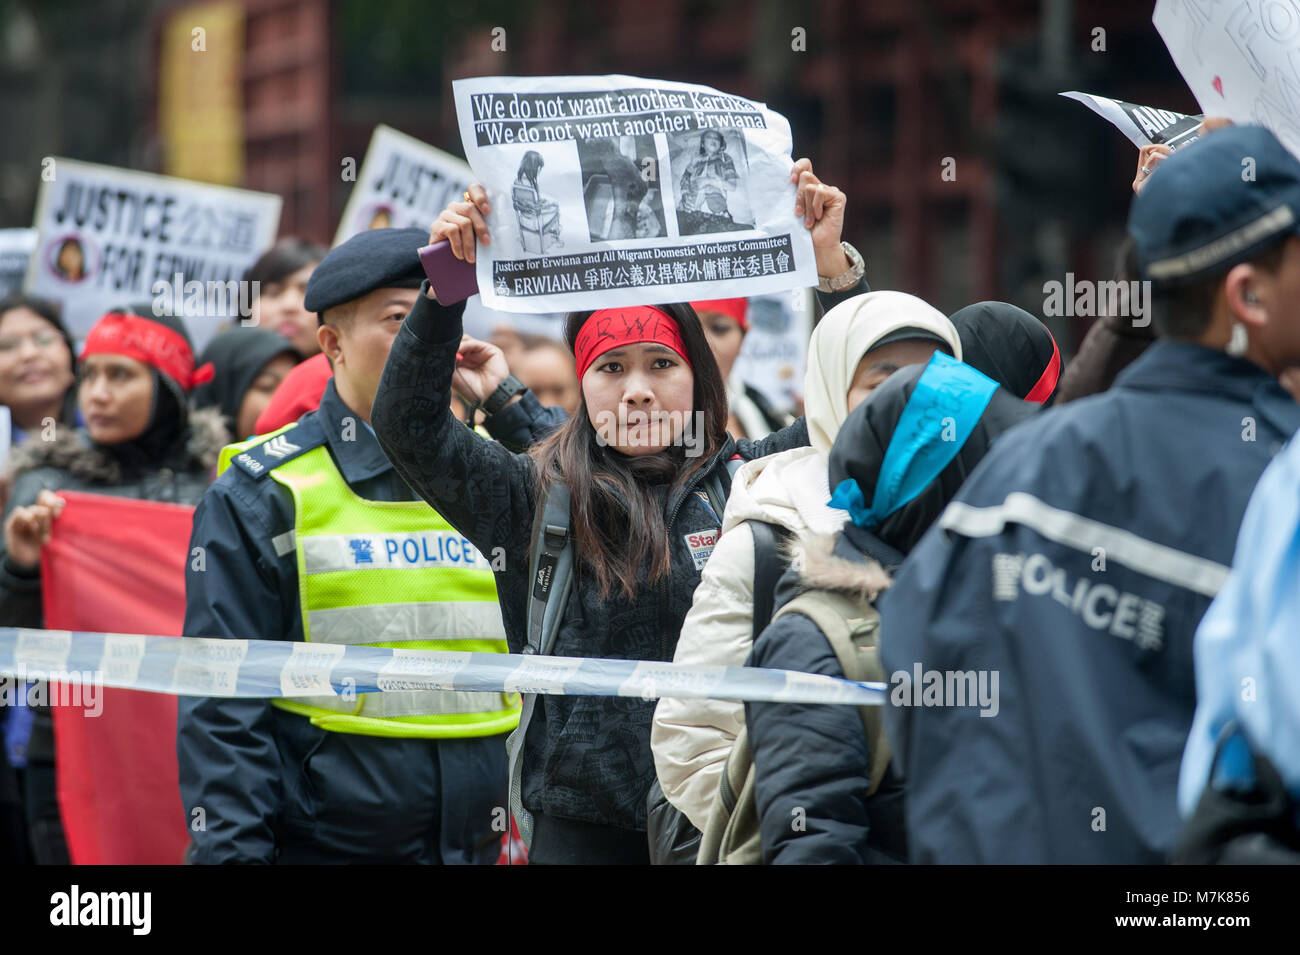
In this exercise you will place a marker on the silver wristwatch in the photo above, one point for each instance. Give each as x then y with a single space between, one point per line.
849 277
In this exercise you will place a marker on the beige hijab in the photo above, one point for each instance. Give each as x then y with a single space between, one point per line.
846 333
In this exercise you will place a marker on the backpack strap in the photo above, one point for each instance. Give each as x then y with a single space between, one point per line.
769 565
731 834
550 564
714 490
852 628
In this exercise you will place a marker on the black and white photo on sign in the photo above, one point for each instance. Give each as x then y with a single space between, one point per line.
620 188
536 196
710 172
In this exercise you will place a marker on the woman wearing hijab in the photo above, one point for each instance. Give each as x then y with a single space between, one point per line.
1012 347
894 467
856 346
140 441
248 365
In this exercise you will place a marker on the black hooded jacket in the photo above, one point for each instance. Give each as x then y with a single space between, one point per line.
813 761
238 356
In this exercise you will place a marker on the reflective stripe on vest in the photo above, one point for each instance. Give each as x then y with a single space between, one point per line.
438 593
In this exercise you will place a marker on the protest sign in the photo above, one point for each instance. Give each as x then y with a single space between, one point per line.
16 247
111 237
1239 58
403 183
615 190
775 351
118 565
1143 125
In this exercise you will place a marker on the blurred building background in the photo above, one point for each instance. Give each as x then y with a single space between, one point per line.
883 91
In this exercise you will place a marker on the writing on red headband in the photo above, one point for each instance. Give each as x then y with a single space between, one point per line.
611 328
155 345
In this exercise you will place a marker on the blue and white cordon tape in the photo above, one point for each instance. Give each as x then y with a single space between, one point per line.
198 666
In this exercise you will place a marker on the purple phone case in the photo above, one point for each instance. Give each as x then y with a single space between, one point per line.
451 279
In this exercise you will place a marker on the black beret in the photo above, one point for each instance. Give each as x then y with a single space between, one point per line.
377 258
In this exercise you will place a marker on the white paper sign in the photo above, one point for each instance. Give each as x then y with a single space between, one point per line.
615 190
16 247
403 183
111 237
1143 125
775 351
1241 59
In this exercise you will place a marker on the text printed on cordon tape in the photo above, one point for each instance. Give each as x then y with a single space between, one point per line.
199 666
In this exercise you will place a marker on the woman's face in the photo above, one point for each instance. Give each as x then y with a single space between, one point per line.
258 395
71 260
712 144
639 397
725 337
116 396
35 364
279 308
879 363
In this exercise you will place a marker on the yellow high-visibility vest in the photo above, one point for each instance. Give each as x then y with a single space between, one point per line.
383 574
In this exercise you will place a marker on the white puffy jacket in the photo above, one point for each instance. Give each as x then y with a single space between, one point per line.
691 738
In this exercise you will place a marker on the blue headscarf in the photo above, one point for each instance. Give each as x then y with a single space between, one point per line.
911 444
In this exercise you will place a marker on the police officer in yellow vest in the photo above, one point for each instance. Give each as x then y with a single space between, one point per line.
310 534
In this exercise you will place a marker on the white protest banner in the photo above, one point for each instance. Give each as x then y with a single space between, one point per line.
775 351
1143 125
1241 59
615 190
111 237
16 248
403 183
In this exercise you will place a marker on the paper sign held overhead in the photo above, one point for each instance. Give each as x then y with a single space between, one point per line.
616 190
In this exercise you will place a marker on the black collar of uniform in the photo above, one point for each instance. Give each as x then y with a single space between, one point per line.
354 446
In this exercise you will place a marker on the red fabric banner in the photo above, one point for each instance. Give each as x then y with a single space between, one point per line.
118 565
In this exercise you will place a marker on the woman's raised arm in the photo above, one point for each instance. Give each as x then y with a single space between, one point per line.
483 490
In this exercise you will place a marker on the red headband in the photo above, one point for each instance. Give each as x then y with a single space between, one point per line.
735 307
615 327
156 345
1046 384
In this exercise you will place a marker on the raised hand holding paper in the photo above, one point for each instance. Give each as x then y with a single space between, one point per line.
614 190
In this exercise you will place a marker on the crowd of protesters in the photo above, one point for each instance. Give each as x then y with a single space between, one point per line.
954 509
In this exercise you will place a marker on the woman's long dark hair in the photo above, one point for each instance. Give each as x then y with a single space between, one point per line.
615 515
529 167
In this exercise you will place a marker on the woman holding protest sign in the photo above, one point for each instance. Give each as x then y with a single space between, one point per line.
140 442
642 467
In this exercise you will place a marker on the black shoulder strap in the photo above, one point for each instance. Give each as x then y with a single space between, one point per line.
714 490
769 565
551 565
